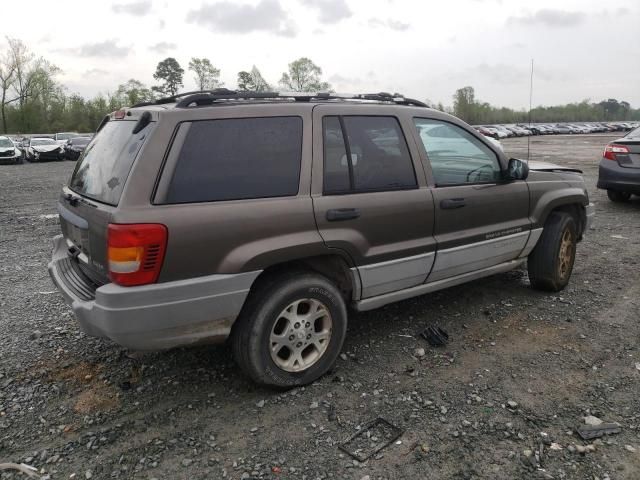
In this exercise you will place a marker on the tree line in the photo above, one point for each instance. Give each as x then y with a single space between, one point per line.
32 99
477 112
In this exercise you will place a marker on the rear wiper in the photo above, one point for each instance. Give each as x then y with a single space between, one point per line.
74 199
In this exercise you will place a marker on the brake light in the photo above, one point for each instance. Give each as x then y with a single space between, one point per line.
135 252
119 115
611 150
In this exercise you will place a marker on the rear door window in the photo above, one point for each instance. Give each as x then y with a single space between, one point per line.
374 157
103 169
241 158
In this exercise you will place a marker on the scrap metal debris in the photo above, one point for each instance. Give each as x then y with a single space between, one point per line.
372 438
436 336
588 432
28 470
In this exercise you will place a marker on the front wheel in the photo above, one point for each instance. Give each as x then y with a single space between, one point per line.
291 330
551 262
618 197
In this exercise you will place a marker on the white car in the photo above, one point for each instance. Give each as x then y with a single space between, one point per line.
40 149
9 153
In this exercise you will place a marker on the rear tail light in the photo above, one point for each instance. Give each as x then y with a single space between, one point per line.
136 252
611 150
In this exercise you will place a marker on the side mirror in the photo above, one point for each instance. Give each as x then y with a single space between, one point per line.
517 170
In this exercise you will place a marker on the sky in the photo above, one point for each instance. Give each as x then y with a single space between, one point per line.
424 49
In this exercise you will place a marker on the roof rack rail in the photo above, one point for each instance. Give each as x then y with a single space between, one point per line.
209 97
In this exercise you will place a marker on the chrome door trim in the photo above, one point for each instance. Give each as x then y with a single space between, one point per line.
392 275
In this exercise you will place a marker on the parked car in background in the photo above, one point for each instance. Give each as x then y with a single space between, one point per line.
61 138
9 153
486 132
619 171
75 146
41 149
497 133
562 129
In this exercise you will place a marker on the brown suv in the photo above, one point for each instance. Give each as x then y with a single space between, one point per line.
263 217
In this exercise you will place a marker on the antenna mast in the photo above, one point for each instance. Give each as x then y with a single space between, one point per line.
530 104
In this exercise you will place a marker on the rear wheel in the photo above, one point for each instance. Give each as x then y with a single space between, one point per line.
618 197
291 330
551 262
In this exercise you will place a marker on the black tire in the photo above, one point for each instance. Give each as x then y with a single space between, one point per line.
550 263
250 338
618 197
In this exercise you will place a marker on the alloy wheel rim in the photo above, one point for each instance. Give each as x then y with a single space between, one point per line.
300 335
566 253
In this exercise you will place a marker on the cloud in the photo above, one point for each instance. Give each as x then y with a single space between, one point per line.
96 72
228 17
162 47
331 11
389 23
550 18
108 48
135 8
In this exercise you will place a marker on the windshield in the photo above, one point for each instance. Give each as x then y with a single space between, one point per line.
107 160
42 141
81 141
5 142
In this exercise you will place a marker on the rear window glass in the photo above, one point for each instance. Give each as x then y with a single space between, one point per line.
634 133
235 159
104 167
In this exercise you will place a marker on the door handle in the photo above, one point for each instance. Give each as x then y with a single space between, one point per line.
339 214
451 203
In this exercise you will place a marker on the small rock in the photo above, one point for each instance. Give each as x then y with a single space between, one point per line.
35 335
260 404
343 356
313 405
443 410
591 420
88 474
419 352
555 446
629 448
527 453
366 477
511 404
186 462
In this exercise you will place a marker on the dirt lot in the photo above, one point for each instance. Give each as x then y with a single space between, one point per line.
501 401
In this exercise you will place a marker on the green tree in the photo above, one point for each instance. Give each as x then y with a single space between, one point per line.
304 76
464 105
207 76
134 91
170 73
252 81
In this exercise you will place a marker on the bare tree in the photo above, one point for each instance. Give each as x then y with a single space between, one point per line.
7 78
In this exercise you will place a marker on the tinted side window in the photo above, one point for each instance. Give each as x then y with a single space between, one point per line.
375 156
455 155
336 167
236 159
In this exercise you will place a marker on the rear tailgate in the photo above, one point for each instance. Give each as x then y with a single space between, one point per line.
87 204
631 159
84 226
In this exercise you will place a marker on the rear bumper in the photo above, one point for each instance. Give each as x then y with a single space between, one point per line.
612 176
159 316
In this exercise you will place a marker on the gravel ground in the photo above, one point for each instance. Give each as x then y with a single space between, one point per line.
500 401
